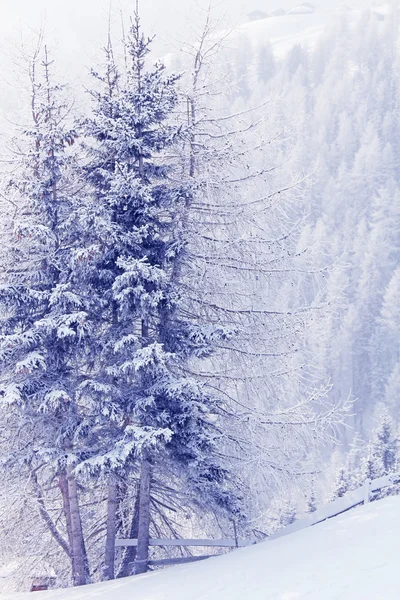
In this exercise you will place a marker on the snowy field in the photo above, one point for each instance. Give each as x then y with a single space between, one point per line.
351 557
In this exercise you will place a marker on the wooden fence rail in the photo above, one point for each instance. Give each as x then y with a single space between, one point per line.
181 560
186 542
181 542
361 495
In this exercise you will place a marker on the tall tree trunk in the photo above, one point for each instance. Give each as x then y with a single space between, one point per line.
112 502
142 554
80 573
63 485
128 560
46 516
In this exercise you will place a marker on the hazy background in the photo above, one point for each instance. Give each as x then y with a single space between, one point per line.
77 29
81 24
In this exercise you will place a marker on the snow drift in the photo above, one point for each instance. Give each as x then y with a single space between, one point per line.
351 557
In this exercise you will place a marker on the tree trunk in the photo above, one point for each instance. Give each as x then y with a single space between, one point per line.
109 558
63 485
142 554
46 516
80 573
128 560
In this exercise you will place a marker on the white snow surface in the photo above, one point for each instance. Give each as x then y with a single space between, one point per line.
283 32
350 557
299 26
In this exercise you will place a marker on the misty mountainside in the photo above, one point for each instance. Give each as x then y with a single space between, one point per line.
329 86
331 82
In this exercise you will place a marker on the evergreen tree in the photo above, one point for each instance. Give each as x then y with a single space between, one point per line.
288 514
384 444
46 324
380 456
312 501
392 392
297 57
266 67
342 485
170 418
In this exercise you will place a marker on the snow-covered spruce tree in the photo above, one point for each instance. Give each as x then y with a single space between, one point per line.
341 485
171 419
346 469
266 65
48 317
372 459
381 457
288 514
312 503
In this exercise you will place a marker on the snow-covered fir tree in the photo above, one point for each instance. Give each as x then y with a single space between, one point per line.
341 484
171 419
46 311
382 451
372 459
288 514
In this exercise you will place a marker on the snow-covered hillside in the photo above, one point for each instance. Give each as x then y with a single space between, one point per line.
351 557
283 32
322 67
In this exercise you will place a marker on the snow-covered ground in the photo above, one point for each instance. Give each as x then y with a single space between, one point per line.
305 29
283 32
351 557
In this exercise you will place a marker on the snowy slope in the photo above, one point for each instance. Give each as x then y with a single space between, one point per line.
283 32
351 557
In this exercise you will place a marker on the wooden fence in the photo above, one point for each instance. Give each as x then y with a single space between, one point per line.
186 542
183 543
361 495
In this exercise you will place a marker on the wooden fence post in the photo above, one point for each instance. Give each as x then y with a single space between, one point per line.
235 533
367 491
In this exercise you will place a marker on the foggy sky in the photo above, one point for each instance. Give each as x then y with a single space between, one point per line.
81 24
76 30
